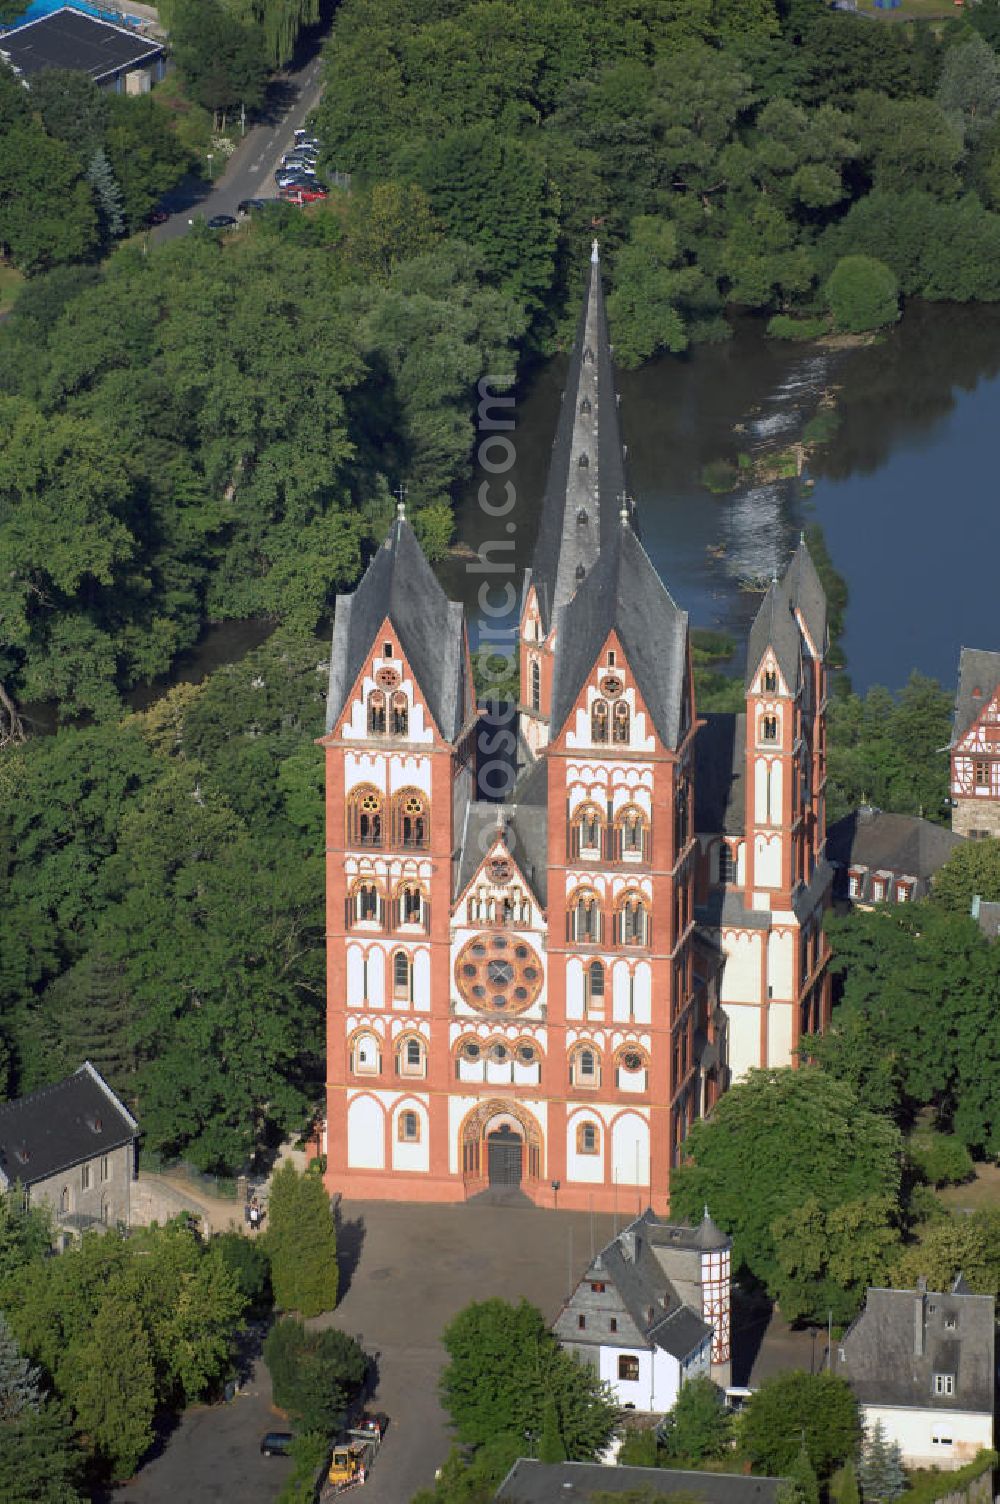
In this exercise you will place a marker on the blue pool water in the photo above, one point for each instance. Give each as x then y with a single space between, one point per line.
39 8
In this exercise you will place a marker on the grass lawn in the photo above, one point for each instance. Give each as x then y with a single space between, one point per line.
10 285
975 1194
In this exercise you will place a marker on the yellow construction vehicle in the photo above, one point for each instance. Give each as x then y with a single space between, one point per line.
352 1459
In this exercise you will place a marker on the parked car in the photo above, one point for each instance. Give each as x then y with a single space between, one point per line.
303 138
157 217
221 222
285 177
302 193
299 164
276 1443
250 205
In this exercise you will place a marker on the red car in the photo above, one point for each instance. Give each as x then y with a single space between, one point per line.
302 194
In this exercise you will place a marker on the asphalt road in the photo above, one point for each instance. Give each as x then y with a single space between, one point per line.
249 173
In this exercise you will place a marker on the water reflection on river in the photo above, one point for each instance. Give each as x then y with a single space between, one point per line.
905 493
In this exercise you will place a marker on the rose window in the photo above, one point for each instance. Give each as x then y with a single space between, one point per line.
498 975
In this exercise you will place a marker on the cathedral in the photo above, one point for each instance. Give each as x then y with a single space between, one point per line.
545 993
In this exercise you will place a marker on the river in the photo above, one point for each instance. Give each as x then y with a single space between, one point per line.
904 492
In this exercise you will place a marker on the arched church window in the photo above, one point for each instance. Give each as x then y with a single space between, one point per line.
585 1066
412 824
621 722
400 714
365 901
769 728
633 830
402 977
770 681
365 817
633 920
585 916
411 1056
586 831
411 903
599 722
408 1130
376 713
594 984
587 1140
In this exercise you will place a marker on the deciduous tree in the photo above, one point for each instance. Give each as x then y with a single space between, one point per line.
795 1411
301 1242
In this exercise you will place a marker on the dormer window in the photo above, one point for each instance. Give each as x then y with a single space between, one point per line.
584 461
582 517
770 681
585 406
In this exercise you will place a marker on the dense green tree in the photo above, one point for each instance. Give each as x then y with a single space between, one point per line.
315 1375
504 1366
973 868
73 109
949 1246
774 1141
223 60
880 1468
250 1266
114 1392
828 1258
550 1443
107 194
914 1025
793 1411
801 1485
844 1488
19 1387
301 1242
25 1231
655 294
968 91
146 155
39 1463
699 1428
888 750
47 214
861 293
908 144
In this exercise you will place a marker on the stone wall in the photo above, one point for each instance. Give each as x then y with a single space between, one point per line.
976 814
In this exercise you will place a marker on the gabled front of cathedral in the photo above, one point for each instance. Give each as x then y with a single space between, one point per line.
546 993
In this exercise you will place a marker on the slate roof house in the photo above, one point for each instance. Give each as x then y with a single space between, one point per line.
123 61
544 993
530 1482
922 1362
653 1311
73 1146
883 858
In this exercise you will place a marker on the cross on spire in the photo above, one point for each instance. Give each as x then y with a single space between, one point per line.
401 494
624 513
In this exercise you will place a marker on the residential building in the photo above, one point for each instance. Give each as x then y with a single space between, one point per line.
653 1310
547 992
116 58
73 1146
975 746
881 858
530 1482
921 1362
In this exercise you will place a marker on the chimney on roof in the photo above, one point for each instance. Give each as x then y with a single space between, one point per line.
629 1240
919 1301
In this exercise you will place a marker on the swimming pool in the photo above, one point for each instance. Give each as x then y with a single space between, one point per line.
39 8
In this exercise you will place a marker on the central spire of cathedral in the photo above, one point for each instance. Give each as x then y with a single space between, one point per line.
587 472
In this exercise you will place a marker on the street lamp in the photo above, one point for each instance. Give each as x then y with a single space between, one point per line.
211 156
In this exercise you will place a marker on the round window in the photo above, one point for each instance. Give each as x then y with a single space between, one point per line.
494 974
527 1053
471 1050
632 1061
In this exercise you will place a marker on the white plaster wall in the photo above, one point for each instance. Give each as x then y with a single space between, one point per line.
365 1134
779 1034
760 790
658 1384
780 964
915 1430
741 973
376 976
630 1150
472 1070
410 773
744 1039
574 988
355 976
422 981
588 1168
407 1156
767 861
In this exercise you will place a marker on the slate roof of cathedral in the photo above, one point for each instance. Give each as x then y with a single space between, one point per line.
399 583
60 1126
883 1367
531 1482
978 669
624 594
566 543
525 828
806 593
904 844
720 774
775 626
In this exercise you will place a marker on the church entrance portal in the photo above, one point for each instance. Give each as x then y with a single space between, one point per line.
504 1150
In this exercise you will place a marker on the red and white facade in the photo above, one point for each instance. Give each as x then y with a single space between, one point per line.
547 992
975 748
